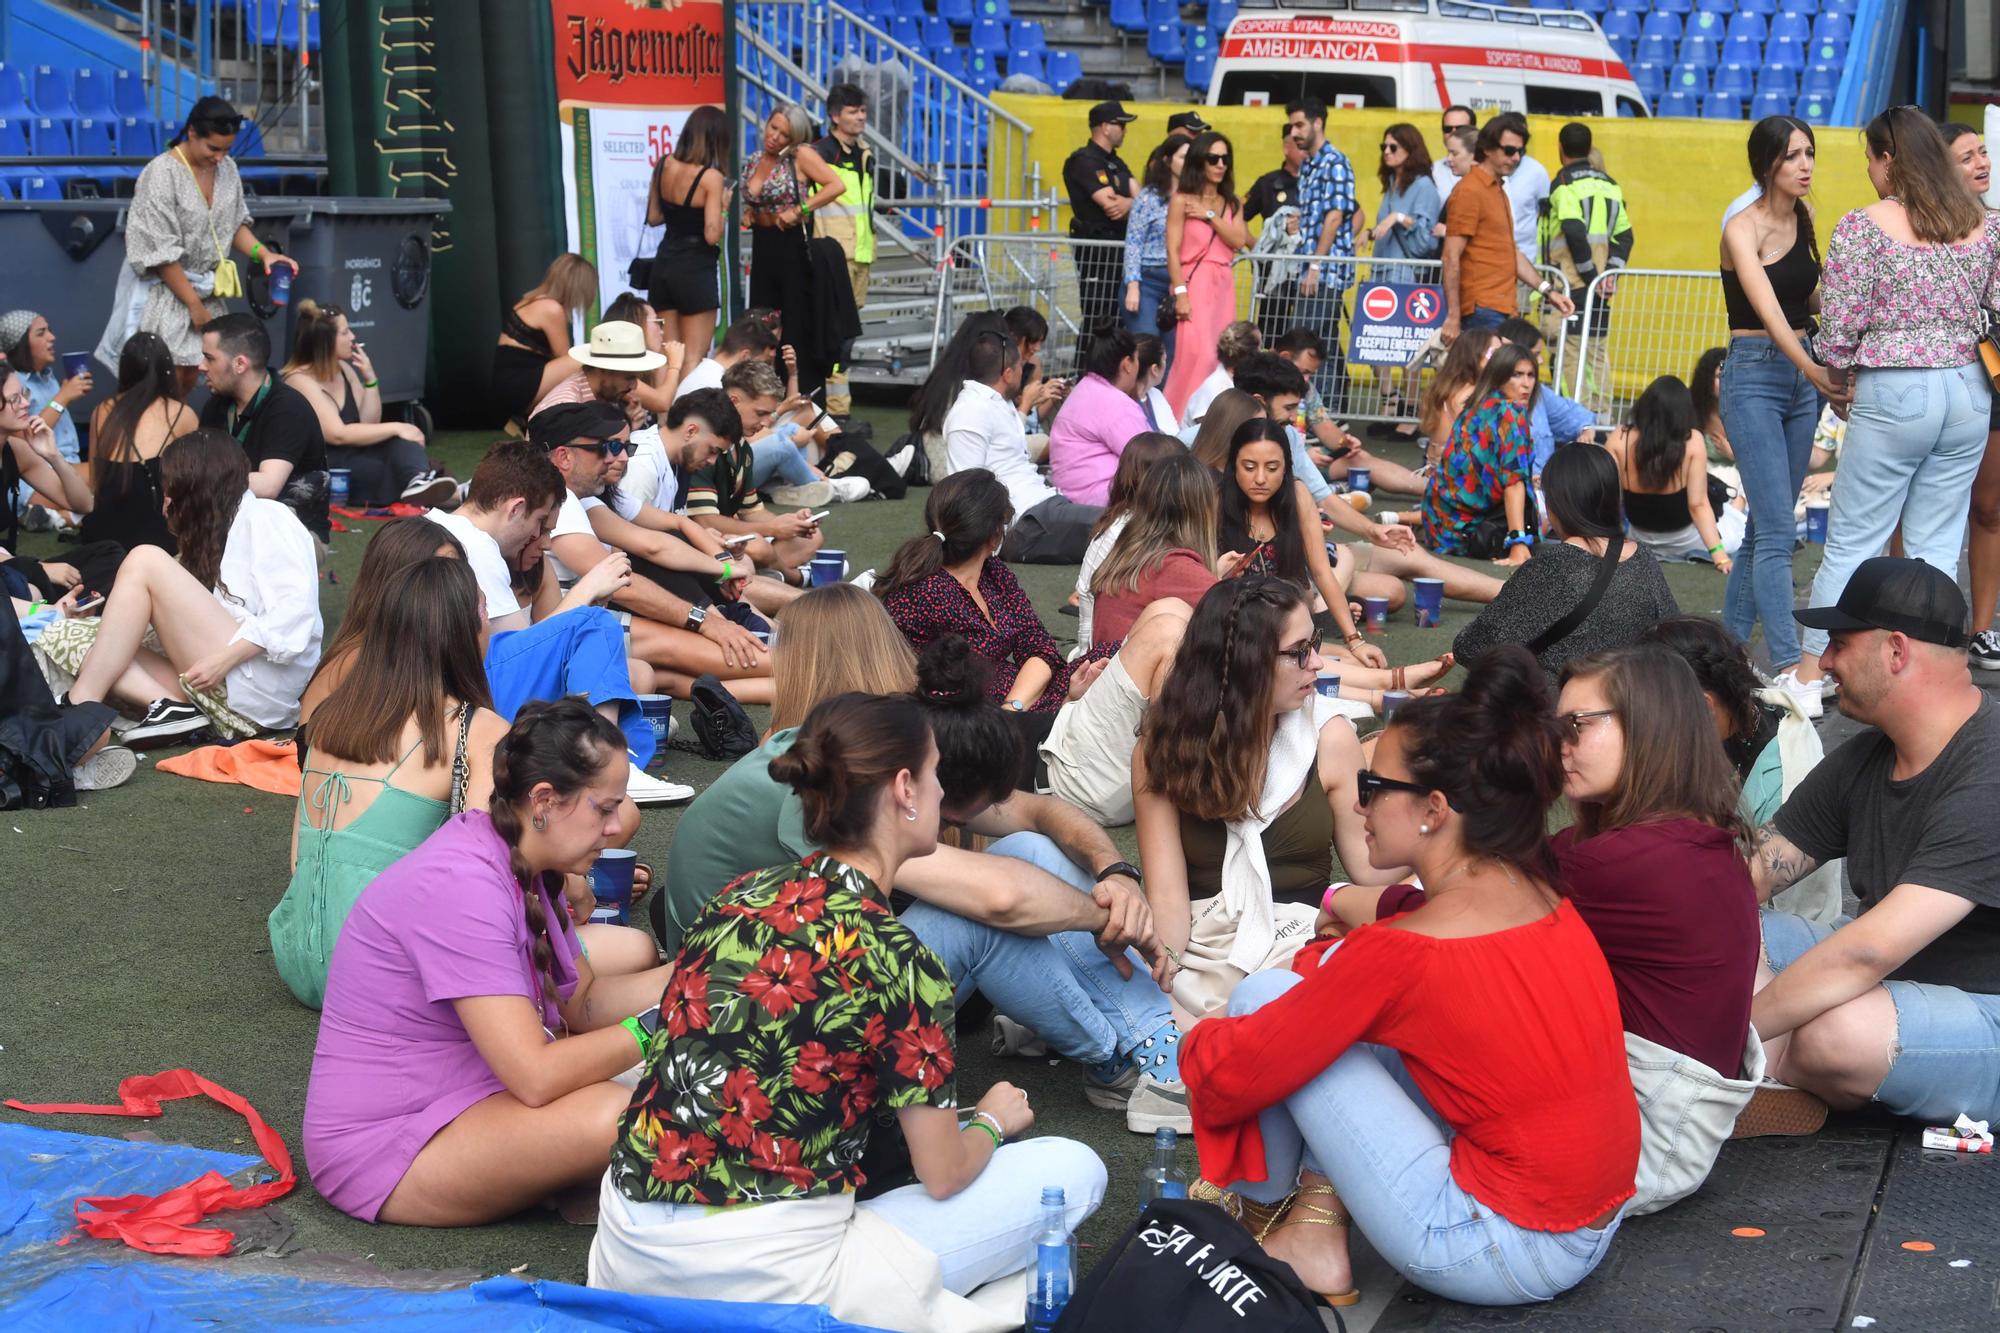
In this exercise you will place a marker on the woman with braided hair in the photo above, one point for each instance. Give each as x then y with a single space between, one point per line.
1242 786
466 1049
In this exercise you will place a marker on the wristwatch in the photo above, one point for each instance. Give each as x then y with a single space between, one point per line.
1181 290
1546 287
1125 868
695 616
1209 215
1016 705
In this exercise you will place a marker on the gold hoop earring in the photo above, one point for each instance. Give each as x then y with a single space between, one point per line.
541 823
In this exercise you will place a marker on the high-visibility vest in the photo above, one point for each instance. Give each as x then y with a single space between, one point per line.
850 219
1594 199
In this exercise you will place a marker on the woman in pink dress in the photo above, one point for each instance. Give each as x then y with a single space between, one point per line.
1205 229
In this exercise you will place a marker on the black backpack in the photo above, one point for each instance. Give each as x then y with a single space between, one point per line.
721 727
1188 1267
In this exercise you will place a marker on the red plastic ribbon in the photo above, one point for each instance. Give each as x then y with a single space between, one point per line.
163 1223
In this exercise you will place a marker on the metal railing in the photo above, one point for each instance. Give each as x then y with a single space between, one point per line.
1638 324
225 44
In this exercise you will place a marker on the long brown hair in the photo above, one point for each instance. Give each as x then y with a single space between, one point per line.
145 376
395 547
1675 766
1923 176
570 280
203 478
1207 737
1141 451
965 512
314 339
1455 375
1231 408
1499 368
1769 143
565 743
1174 509
1416 157
835 640
705 138
1194 171
422 650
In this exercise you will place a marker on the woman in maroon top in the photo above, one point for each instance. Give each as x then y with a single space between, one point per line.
951 581
1167 548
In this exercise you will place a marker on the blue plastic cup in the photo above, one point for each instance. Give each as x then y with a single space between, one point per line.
1392 700
658 710
1375 614
1328 685
337 485
1430 602
611 885
74 364
1358 479
1816 515
281 284
826 569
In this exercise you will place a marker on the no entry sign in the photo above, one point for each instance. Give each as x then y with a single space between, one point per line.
1392 320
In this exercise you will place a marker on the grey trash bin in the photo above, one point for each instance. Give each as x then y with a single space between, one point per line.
372 258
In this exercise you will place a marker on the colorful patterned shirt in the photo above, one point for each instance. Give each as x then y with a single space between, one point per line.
1491 448
1145 234
723 487
1326 184
1009 635
1894 306
798 1005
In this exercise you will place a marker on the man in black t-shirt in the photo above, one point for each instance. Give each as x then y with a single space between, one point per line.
1901 1004
1279 187
273 422
1101 191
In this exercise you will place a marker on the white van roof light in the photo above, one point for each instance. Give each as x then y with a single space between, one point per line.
1450 9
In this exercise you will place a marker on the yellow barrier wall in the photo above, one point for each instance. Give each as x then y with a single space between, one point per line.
1678 175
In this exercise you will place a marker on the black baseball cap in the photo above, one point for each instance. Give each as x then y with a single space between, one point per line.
1906 596
1110 113
554 427
1187 120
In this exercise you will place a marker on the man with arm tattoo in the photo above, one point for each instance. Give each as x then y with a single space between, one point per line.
1901 1004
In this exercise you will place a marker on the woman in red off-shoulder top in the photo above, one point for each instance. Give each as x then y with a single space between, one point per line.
1452 1080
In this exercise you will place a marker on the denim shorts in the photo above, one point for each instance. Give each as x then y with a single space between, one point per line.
1946 1057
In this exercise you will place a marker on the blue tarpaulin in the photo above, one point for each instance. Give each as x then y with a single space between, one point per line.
98 1284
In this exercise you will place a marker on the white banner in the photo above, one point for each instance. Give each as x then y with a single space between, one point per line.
607 199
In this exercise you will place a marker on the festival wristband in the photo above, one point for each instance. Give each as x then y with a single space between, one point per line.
728 569
369 384
1715 548
991 1132
1326 899
256 249
631 1025
1520 539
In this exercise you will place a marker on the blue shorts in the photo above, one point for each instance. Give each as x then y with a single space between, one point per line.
1946 1058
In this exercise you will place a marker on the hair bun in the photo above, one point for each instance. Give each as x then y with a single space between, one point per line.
950 674
1507 682
811 764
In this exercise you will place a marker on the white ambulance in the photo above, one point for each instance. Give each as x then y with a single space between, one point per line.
1423 55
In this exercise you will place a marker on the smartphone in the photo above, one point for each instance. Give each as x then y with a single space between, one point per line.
820 515
94 601
1336 454
740 539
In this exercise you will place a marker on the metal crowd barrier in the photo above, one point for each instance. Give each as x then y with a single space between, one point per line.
1638 324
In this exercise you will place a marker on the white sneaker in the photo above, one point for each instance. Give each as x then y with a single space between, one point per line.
865 580
430 490
1809 695
1985 650
809 496
902 458
645 789
849 490
112 766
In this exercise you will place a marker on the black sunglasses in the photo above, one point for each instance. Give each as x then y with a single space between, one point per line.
1218 159
611 448
1391 146
1511 152
1368 784
1303 654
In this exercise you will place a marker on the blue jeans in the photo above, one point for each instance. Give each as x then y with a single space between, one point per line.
1914 441
1153 288
1483 317
581 651
777 455
1062 986
1769 410
1363 1124
1946 1057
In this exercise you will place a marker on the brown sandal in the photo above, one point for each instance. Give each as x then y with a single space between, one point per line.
1326 1217
1261 1219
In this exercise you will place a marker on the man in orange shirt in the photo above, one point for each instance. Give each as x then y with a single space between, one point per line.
1481 261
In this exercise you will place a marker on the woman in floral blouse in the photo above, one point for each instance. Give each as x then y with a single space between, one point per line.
1485 469
1146 242
800 1011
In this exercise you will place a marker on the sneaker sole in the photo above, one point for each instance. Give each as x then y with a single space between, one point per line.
653 799
1148 1122
1986 663
1773 1111
1107 1099
432 495
165 730
121 762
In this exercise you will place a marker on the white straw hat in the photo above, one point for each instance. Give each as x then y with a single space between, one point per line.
617 345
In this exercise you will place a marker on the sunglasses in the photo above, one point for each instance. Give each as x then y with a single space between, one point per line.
1573 722
1392 147
1303 655
1368 784
1511 152
1218 159
611 448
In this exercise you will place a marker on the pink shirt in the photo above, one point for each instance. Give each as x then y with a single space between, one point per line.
1089 435
394 1065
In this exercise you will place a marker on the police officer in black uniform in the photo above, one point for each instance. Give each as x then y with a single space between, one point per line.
1101 191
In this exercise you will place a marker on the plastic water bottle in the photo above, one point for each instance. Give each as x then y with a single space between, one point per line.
1163 1179
1051 1264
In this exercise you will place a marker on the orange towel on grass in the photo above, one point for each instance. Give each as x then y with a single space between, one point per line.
271 766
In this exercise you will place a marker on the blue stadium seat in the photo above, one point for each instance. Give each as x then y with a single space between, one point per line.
15 137
1678 103
1547 4
951 60
1619 23
249 141
1750 27
907 31
13 95
1700 49
988 36
1594 8
95 138
1707 23
1777 79
1722 106
1798 6
288 27
139 136
1737 81
1199 70
878 12
1128 15
1656 50
1742 51
1689 80
91 94
937 34
1162 11
1651 79
1785 52
1623 46
38 186
1822 52
1798 27
1846 7
51 93
1722 7
7 186
958 13
910 9
1820 81
1163 43
1065 68
1814 110
1770 104
1220 12
1673 6
1028 63
981 66
1027 36
997 10
1661 25
1764 7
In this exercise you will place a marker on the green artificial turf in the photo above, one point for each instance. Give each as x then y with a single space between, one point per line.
135 942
